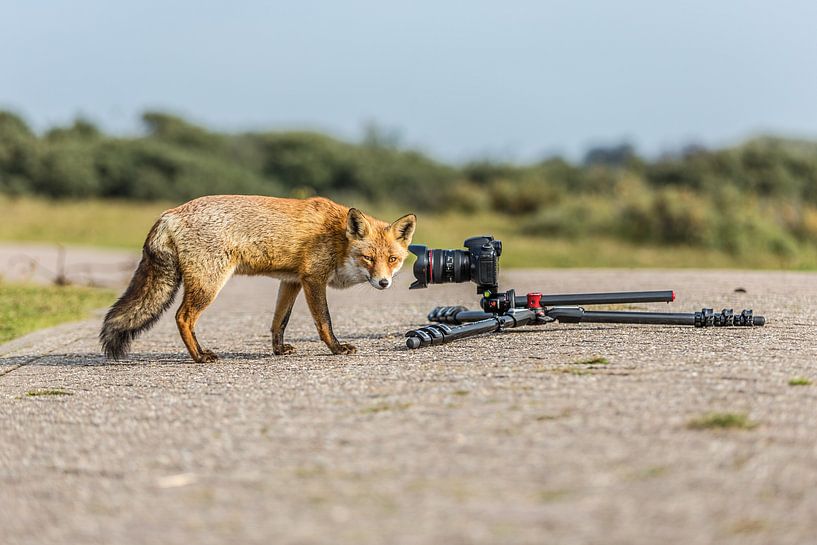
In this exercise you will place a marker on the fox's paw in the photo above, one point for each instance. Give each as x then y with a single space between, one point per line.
344 348
283 349
207 356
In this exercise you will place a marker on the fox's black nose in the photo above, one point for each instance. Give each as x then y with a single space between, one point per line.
384 283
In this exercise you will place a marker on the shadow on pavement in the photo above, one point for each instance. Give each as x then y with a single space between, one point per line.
165 358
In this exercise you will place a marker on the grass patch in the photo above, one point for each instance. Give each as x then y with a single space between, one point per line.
651 472
93 222
460 392
595 360
384 407
547 496
572 371
547 417
42 392
712 421
123 224
799 381
26 308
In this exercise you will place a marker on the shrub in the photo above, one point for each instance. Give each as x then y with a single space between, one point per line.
67 170
528 194
574 217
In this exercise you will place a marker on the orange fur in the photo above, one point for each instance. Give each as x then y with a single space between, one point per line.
308 244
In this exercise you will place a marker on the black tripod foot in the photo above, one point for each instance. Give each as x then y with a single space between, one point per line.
427 336
726 318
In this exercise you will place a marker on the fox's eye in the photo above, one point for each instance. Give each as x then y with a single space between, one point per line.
392 259
367 258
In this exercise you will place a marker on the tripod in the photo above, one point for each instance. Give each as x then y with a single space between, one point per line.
507 310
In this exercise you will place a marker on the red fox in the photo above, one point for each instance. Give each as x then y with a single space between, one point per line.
308 244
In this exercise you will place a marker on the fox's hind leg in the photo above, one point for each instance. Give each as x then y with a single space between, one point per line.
287 293
193 304
197 297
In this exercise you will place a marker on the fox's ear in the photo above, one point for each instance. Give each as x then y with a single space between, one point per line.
403 228
357 226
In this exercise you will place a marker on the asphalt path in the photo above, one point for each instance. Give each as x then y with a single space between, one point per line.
506 438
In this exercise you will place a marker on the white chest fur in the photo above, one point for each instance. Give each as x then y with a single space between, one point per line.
348 273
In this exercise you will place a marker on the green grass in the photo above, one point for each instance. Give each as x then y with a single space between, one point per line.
384 407
47 392
121 224
553 416
799 381
595 360
572 371
113 224
551 495
711 421
25 308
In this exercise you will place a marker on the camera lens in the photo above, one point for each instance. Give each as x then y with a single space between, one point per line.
439 266
449 266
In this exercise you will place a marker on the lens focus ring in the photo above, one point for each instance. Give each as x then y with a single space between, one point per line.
449 266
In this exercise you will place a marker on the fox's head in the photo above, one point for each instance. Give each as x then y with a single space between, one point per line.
377 249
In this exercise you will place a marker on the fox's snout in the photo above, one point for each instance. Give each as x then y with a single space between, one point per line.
380 283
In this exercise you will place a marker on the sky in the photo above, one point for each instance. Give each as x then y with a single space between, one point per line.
514 80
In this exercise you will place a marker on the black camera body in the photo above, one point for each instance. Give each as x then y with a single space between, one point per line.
479 263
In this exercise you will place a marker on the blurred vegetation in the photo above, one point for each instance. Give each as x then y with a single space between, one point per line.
759 198
124 224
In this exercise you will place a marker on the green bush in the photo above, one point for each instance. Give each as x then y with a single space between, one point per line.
526 194
19 155
174 130
574 217
80 130
466 196
148 170
67 169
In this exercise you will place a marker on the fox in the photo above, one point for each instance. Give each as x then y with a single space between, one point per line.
308 244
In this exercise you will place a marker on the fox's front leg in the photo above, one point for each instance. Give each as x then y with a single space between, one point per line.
315 292
287 293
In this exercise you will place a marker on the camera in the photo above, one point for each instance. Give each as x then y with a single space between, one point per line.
478 263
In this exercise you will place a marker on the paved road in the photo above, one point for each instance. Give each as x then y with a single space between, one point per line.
45 263
502 439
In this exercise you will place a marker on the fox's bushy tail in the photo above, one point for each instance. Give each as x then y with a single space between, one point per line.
150 292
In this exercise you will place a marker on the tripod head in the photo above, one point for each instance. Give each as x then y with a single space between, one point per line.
479 263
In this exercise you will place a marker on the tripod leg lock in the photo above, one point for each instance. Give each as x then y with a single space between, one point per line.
445 315
726 318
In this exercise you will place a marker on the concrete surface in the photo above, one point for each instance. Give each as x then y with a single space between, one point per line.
498 439
45 263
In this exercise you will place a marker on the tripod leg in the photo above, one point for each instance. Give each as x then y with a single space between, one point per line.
457 315
443 333
706 318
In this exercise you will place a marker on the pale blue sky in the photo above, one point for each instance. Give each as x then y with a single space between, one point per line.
512 79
